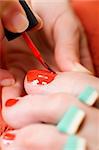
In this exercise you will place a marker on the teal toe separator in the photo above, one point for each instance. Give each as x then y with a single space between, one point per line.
71 143
67 120
86 95
75 143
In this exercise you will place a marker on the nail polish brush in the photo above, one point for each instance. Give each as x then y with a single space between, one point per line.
33 22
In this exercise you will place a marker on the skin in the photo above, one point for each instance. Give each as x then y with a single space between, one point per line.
63 34
67 31
8 11
49 107
17 88
58 51
4 74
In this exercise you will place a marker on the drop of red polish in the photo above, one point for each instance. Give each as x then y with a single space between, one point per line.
9 136
41 77
11 102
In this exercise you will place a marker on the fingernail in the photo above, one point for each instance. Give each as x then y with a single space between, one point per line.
7 82
20 22
11 102
8 138
41 77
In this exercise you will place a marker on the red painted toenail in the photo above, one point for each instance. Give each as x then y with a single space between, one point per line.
41 77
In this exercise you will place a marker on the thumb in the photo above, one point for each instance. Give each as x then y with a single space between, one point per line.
71 46
67 35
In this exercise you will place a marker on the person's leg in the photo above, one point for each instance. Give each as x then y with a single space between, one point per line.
88 12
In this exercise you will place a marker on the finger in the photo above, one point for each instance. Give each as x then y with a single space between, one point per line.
62 82
66 36
42 108
6 78
41 82
33 137
86 59
11 91
15 19
51 109
13 16
16 89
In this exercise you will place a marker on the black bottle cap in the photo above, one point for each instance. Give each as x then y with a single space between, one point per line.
31 18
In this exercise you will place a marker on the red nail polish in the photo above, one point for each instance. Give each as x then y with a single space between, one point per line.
11 102
41 77
9 136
